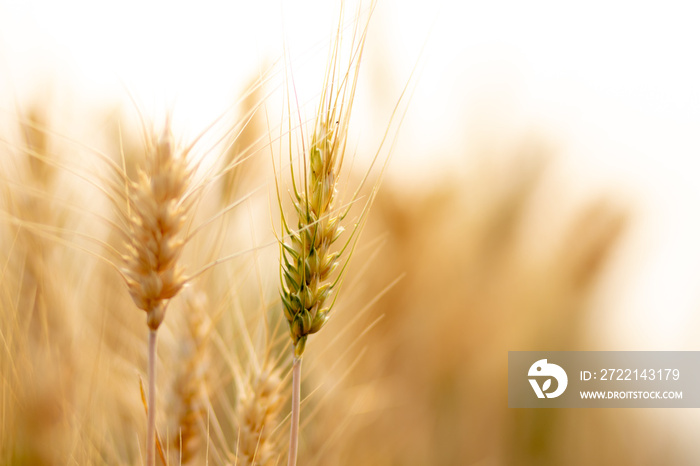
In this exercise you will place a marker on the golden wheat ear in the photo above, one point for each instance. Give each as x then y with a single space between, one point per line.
258 409
37 322
189 400
157 211
158 206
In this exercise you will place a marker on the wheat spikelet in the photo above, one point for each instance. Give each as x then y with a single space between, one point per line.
158 211
189 397
258 412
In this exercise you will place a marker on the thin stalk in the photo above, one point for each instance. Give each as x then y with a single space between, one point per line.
151 439
296 406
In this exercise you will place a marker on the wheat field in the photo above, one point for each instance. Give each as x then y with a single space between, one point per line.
168 262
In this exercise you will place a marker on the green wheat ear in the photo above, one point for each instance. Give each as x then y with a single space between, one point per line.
312 265
307 261
308 257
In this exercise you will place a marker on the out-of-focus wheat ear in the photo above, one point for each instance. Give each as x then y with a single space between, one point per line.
36 141
36 319
239 167
188 401
258 411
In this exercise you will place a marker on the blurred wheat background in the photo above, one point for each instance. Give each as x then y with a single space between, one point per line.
541 194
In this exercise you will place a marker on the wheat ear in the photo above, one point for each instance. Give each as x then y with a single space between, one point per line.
157 209
308 257
189 397
258 412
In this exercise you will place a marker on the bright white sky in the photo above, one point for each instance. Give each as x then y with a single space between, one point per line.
616 83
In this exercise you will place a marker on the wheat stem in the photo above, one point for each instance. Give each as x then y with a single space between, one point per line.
296 407
151 438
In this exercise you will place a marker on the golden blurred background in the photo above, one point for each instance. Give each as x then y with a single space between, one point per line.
540 195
